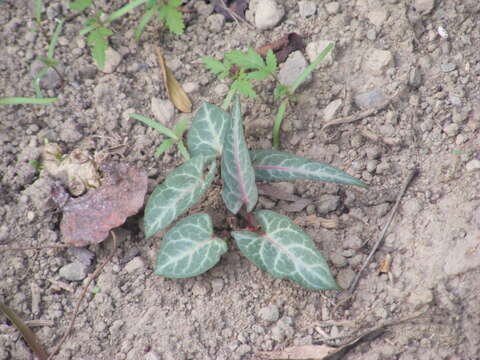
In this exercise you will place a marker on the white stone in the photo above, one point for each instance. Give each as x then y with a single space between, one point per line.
292 68
134 264
112 60
307 8
331 110
424 6
268 14
314 49
377 61
332 7
163 110
377 17
473 165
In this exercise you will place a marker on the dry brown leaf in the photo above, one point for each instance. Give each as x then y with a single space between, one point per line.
332 223
174 90
235 8
301 352
89 218
385 265
283 46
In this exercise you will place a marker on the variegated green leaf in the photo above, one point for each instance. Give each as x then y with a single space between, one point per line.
286 252
237 172
271 165
189 248
207 133
182 188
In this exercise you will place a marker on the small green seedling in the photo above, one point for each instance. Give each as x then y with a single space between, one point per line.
270 240
252 67
174 137
48 61
16 100
97 27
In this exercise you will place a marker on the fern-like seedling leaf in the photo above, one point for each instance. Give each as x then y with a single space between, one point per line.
271 61
237 172
285 251
207 133
182 188
189 248
79 5
221 69
172 17
249 61
272 165
244 87
98 42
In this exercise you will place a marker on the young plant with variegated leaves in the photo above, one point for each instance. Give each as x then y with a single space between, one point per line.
270 240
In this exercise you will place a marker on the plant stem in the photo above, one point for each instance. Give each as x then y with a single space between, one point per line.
278 123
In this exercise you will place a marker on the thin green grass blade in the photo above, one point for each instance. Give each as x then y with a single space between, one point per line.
38 11
124 9
87 29
183 150
164 146
181 126
145 19
278 124
311 67
36 82
157 126
55 36
26 100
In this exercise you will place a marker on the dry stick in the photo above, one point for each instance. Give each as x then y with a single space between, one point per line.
82 296
23 248
407 182
358 116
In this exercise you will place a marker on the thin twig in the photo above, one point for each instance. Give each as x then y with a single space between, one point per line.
82 296
40 247
407 182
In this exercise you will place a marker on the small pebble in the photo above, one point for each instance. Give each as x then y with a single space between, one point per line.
473 165
327 203
345 277
112 60
451 129
448 67
377 61
370 99
307 8
163 110
371 35
338 260
331 110
292 68
332 8
269 313
268 14
134 264
73 272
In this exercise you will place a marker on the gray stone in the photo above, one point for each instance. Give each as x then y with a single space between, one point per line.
338 260
377 16
314 49
373 152
307 8
415 77
283 329
455 100
424 7
215 22
370 99
331 110
473 165
73 272
292 68
203 9
112 60
191 87
327 203
51 80
371 34
420 296
243 349
268 14
372 165
163 110
451 129
269 313
377 61
345 277
332 8
217 285
448 67
134 264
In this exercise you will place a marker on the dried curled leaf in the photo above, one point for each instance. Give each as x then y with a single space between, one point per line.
231 8
77 170
174 90
283 46
89 218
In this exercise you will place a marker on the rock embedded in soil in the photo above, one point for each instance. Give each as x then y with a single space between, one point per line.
216 22
269 313
327 203
163 110
473 165
73 272
377 61
331 110
332 8
345 277
112 60
424 7
314 48
307 8
292 68
370 99
268 13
